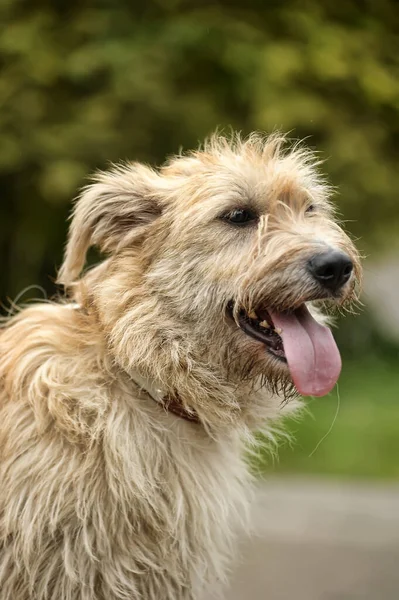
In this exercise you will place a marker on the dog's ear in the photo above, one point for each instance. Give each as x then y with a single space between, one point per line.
115 209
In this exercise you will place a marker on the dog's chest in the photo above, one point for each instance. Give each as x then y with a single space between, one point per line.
177 502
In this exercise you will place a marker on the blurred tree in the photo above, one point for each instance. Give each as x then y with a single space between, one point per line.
84 83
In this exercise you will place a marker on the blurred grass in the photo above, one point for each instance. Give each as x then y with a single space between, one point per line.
364 441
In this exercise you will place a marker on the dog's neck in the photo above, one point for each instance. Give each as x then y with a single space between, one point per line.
166 401
169 403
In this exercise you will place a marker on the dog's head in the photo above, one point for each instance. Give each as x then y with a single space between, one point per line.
216 259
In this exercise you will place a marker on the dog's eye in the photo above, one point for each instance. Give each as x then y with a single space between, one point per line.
240 216
311 208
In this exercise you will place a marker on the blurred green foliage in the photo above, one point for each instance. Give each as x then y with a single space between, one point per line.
83 83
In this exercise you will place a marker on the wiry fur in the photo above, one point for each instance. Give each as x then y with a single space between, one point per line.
104 495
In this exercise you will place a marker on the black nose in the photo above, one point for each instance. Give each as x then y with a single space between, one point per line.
332 269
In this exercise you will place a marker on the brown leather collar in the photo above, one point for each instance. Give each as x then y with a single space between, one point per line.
174 406
169 403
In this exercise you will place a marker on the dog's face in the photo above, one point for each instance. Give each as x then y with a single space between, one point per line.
227 245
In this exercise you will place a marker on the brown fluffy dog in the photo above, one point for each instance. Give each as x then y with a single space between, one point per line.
124 410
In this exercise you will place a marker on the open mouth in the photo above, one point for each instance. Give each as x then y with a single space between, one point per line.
261 328
294 337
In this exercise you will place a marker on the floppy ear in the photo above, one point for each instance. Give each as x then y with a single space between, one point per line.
112 211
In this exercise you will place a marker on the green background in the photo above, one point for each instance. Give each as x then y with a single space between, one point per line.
85 83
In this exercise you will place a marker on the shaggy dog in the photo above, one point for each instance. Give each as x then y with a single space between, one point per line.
126 408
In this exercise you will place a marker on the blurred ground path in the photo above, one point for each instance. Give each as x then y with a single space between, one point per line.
320 540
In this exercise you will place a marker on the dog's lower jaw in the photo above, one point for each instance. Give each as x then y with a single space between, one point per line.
122 499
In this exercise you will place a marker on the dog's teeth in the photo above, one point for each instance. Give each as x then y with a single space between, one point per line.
264 324
278 330
253 315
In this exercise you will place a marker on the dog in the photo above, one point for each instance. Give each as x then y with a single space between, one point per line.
127 405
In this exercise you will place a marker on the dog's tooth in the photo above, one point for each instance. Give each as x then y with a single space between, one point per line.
278 330
253 315
264 324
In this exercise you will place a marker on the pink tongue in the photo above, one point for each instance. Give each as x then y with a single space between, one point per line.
312 354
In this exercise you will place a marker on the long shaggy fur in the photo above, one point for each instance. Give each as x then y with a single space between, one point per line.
103 494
